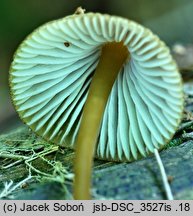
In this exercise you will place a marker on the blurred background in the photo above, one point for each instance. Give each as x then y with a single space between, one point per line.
170 19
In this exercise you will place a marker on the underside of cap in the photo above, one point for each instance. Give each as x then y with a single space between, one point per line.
52 70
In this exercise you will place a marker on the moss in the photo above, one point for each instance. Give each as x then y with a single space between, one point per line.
136 180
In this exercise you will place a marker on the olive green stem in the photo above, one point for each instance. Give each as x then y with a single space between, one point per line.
112 58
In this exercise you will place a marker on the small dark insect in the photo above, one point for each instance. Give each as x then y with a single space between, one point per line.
66 44
170 179
24 185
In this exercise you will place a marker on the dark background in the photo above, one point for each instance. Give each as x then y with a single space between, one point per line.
172 20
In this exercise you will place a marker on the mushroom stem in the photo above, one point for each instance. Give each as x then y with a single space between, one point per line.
113 56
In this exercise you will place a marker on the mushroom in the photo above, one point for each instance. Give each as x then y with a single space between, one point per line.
102 84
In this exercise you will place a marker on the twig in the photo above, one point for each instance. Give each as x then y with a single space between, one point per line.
36 170
164 176
21 158
13 156
43 153
59 174
8 188
12 164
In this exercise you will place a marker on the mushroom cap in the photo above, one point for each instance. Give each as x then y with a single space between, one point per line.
52 70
